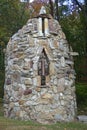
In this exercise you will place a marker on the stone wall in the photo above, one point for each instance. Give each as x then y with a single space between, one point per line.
24 97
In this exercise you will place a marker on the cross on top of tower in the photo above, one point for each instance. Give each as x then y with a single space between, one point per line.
42 10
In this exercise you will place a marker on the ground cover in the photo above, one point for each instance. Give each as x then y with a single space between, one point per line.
81 95
10 124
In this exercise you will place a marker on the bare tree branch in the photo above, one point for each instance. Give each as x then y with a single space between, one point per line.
80 6
57 10
51 7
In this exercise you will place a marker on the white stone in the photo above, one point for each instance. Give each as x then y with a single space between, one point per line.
34 97
58 117
74 53
43 10
69 83
62 102
47 96
35 81
30 103
69 62
43 91
23 86
16 104
26 59
54 89
61 82
40 27
61 46
28 81
62 61
46 27
35 66
51 44
56 97
22 113
66 82
61 94
82 118
55 81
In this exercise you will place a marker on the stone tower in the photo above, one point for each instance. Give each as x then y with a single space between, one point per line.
39 74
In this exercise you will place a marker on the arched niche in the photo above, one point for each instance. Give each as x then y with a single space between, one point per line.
43 67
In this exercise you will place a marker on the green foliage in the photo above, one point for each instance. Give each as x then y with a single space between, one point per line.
1 83
13 16
75 34
80 68
81 93
1 107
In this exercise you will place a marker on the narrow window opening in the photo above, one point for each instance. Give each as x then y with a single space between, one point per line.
43 67
43 27
43 80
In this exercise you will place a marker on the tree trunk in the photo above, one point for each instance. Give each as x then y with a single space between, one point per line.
51 8
57 10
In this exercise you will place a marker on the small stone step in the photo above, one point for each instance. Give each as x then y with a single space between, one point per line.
82 118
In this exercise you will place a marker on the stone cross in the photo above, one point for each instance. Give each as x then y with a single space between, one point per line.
43 23
43 10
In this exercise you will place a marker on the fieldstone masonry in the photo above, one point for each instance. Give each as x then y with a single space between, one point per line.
39 78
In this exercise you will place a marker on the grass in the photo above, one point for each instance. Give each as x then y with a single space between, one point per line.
81 94
10 124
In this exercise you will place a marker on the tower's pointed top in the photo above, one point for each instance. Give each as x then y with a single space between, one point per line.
42 10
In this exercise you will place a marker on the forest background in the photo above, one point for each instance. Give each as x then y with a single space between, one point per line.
72 16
